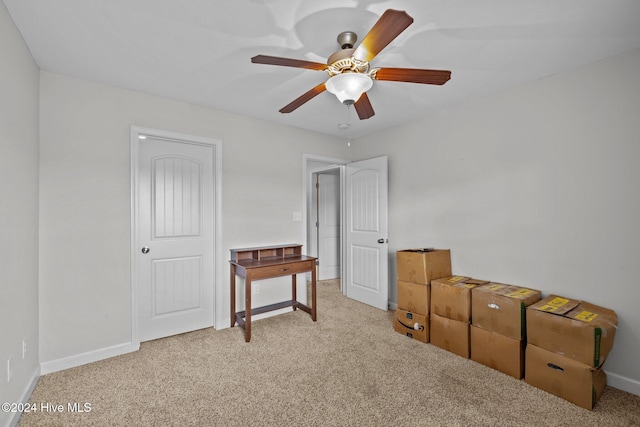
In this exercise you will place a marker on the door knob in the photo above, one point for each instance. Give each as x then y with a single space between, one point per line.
383 240
145 250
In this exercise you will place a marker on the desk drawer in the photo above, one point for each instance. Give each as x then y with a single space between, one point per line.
280 270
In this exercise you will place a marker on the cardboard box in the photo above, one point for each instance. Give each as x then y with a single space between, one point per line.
576 329
451 297
414 297
451 335
566 378
423 265
501 308
413 325
498 351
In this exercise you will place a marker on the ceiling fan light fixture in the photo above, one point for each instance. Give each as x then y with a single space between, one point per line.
348 87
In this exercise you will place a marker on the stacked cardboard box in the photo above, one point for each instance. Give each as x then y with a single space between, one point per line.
568 341
413 325
451 313
416 269
498 326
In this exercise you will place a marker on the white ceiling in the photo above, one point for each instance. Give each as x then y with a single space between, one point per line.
199 51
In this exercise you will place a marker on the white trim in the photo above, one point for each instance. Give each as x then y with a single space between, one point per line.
307 191
14 419
623 383
220 321
343 221
307 184
218 291
88 357
135 149
273 313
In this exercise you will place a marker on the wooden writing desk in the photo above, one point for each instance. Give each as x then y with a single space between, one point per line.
267 262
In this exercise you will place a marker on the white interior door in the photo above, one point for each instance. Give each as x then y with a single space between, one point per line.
175 237
328 223
367 278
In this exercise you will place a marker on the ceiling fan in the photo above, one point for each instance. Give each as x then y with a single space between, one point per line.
349 71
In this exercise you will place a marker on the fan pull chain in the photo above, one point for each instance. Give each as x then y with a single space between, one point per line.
348 125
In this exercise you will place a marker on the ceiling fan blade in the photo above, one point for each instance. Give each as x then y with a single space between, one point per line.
389 26
414 75
364 108
298 63
303 98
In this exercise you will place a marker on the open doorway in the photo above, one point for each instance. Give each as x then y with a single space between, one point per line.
324 212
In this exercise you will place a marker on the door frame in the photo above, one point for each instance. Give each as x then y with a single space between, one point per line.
138 133
311 165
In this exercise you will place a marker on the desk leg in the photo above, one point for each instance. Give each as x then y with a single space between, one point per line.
313 293
247 308
233 295
294 291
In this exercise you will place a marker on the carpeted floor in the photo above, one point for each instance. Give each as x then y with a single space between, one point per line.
348 369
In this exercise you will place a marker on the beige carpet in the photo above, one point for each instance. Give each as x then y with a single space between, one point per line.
348 369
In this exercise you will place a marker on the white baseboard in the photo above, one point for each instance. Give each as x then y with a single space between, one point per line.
88 357
31 385
271 313
623 383
227 323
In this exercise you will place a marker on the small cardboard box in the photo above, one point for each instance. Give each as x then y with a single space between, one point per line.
501 308
451 297
414 297
451 335
413 325
498 351
423 265
575 329
566 378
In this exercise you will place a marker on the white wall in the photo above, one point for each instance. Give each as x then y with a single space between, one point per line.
537 186
85 293
18 215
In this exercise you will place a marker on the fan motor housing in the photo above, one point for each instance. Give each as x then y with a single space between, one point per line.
340 55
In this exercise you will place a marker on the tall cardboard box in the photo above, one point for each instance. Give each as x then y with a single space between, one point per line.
564 377
451 335
500 308
412 325
498 351
576 329
423 265
414 297
451 297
